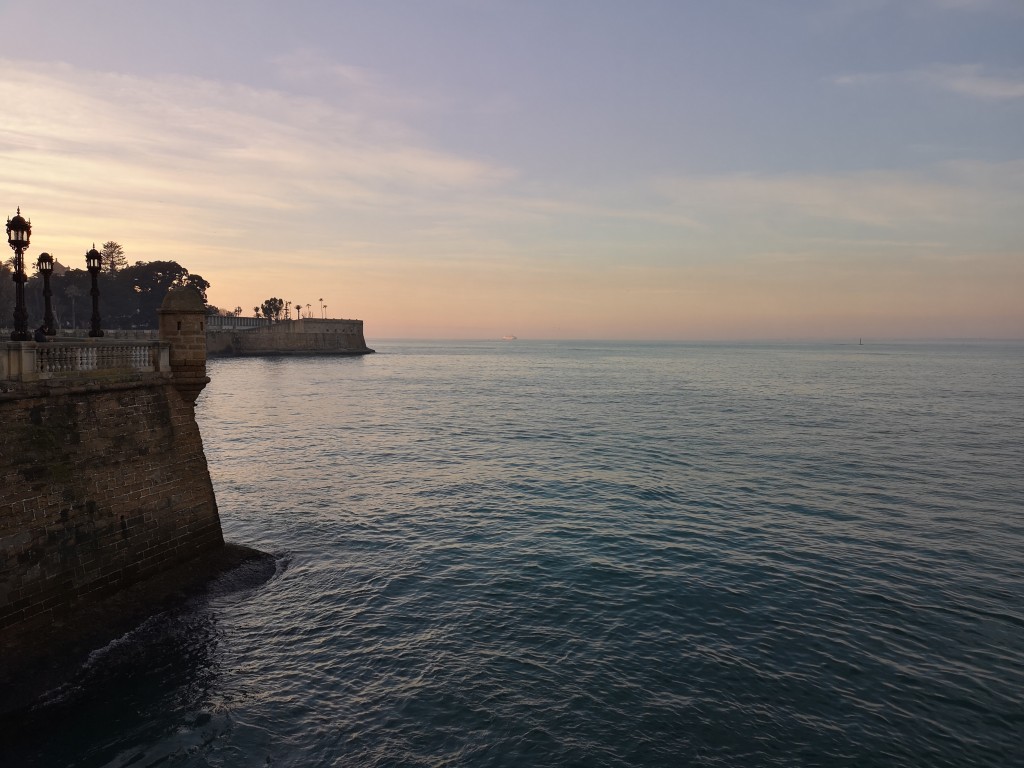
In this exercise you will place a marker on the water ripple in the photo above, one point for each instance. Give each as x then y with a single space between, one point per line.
600 555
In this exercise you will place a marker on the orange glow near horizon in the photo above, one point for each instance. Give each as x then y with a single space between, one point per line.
419 242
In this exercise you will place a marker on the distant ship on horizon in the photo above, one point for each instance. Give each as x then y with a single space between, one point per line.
509 338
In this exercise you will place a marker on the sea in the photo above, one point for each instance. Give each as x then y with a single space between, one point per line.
542 553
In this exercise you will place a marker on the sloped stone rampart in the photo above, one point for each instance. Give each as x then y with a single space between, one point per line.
103 479
100 490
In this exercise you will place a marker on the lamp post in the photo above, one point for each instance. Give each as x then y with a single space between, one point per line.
94 262
18 233
45 266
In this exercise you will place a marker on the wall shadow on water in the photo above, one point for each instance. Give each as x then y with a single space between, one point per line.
153 685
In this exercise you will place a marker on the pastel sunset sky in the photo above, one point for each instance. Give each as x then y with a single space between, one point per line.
650 169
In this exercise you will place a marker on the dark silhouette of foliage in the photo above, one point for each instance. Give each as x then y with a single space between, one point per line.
272 308
114 259
129 297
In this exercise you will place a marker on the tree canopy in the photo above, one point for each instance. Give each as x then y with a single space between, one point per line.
113 257
129 296
272 308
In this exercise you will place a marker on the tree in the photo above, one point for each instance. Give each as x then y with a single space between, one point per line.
150 282
113 257
197 282
272 308
129 297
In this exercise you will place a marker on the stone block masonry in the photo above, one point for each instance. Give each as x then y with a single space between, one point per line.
103 479
289 337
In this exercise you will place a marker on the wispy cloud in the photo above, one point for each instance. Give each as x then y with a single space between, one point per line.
263 169
964 5
952 204
846 8
309 71
971 80
276 189
224 156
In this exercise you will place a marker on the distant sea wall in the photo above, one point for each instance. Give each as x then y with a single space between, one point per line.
103 479
288 337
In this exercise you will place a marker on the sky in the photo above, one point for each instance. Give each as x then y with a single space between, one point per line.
585 169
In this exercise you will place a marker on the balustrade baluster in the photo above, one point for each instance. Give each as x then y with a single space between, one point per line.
69 357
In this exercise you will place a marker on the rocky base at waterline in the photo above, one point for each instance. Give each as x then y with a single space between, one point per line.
32 664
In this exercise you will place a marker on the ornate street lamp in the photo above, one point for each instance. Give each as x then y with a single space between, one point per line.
18 233
45 266
94 262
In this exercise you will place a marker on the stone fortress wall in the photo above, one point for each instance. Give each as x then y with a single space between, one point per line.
308 336
103 479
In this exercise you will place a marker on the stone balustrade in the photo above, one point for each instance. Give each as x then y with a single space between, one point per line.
28 361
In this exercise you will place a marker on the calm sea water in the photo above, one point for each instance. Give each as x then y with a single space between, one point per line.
591 554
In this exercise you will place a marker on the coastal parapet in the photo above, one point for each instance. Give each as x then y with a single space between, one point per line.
103 478
308 336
